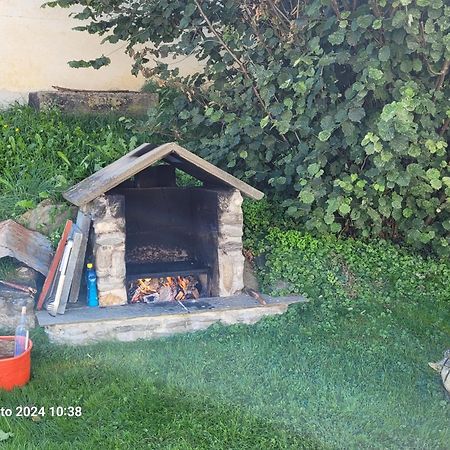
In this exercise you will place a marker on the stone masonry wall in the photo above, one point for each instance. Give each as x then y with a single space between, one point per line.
108 217
230 258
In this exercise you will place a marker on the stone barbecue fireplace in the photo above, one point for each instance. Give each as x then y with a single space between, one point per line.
154 241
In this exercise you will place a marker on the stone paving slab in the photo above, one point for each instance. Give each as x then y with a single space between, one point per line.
83 325
78 314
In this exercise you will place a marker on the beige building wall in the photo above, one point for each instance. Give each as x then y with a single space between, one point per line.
36 44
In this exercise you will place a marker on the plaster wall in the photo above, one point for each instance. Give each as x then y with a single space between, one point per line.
36 44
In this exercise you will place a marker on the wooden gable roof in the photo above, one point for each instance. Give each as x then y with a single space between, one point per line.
145 156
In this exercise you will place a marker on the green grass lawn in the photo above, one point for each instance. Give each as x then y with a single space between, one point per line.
348 370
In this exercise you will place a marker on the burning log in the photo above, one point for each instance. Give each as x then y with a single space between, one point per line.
152 290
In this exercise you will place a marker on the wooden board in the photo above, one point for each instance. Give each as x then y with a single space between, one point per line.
84 224
141 158
54 265
29 247
217 173
114 174
73 260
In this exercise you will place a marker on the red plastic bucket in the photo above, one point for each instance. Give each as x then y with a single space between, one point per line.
15 372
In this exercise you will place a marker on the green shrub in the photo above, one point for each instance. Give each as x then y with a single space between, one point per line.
259 217
373 284
341 107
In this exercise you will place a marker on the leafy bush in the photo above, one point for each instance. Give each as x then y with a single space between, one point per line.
339 106
371 285
41 154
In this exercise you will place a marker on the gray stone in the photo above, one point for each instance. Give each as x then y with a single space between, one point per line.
12 300
107 206
109 282
110 239
113 297
233 230
11 303
94 102
103 257
109 226
47 217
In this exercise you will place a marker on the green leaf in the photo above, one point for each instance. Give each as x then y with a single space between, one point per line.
306 197
356 114
337 37
436 183
190 9
26 204
344 209
333 205
63 157
407 212
433 174
264 121
377 24
328 219
95 63
5 436
324 135
375 74
283 126
364 21
384 53
335 227
313 168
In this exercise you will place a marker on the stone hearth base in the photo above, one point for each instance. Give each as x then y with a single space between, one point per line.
83 325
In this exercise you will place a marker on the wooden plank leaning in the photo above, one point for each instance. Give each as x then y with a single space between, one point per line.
54 265
84 224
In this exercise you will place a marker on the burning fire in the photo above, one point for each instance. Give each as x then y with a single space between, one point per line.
152 290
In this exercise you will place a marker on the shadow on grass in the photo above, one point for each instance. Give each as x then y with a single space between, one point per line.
124 407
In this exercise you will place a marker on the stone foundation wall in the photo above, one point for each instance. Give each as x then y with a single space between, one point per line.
108 218
230 259
95 102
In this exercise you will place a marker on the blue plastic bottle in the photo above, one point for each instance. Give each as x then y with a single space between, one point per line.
91 276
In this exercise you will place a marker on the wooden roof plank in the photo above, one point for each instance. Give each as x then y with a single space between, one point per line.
218 173
143 157
114 174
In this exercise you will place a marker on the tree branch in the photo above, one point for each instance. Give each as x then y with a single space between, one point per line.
235 58
444 127
219 37
443 74
335 7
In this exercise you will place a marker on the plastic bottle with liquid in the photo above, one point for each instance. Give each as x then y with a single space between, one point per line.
91 278
22 334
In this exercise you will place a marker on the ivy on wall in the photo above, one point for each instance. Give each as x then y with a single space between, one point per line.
341 108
